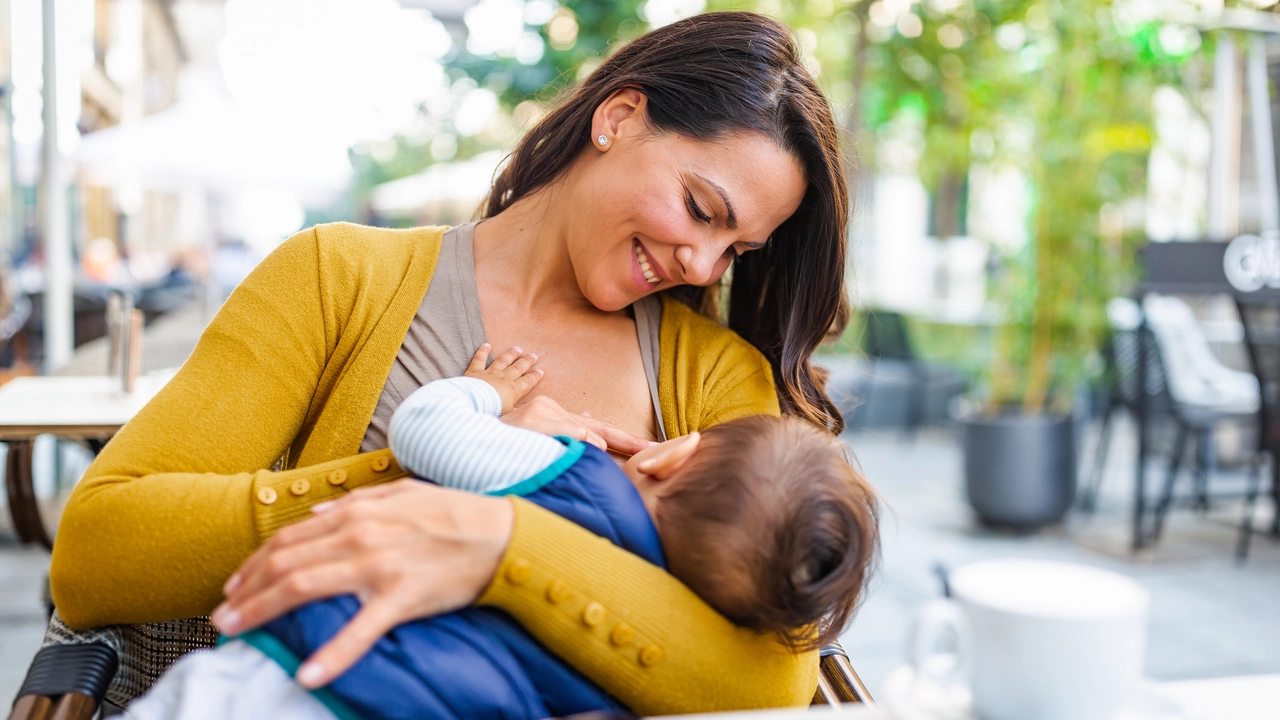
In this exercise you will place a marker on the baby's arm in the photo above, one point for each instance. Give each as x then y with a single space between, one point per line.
448 431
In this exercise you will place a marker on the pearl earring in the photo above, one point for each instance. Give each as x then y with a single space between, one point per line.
603 140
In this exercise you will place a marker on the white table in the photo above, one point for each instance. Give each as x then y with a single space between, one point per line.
1253 697
1250 697
91 408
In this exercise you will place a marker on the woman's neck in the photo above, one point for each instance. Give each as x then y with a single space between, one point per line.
522 252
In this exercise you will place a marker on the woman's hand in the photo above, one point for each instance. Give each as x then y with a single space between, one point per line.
407 550
544 415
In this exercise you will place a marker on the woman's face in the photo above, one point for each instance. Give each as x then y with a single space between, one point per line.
653 211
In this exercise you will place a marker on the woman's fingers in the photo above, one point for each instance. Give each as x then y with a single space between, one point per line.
329 547
295 589
479 358
350 644
249 575
615 437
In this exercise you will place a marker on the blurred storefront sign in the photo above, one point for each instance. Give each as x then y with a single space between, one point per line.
1248 266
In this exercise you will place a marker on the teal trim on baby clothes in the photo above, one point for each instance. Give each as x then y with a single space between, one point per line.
573 451
284 657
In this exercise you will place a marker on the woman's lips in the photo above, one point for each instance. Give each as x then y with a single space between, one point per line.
649 269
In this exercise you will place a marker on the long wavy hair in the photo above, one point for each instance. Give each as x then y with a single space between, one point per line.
705 77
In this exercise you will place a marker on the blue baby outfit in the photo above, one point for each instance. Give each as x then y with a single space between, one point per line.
477 662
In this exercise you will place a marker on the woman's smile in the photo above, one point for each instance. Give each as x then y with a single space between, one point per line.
646 272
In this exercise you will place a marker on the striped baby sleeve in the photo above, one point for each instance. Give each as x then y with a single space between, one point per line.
448 432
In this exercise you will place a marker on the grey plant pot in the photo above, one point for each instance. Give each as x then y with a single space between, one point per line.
1019 470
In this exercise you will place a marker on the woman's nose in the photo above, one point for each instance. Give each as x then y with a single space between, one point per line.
698 264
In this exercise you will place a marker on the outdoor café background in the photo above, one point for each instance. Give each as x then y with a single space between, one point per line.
197 134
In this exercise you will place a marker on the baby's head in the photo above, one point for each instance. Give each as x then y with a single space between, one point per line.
769 523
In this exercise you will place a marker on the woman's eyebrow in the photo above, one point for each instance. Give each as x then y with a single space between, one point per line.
731 218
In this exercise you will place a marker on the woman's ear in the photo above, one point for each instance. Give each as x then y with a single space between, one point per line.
620 115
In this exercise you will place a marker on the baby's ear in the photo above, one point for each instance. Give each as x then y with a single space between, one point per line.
664 459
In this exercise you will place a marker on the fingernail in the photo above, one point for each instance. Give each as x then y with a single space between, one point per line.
322 506
226 619
518 349
310 674
233 582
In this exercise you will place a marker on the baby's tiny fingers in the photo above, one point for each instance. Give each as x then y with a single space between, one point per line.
525 382
522 365
502 361
478 359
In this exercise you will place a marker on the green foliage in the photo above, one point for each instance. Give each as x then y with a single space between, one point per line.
1081 79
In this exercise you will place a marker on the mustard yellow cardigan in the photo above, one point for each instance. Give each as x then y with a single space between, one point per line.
292 367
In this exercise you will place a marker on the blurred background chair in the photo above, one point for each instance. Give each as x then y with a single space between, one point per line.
15 310
886 341
1205 394
1185 385
1261 321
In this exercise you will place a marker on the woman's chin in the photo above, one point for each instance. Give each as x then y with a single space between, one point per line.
613 300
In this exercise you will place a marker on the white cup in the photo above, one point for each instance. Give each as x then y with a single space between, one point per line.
1038 640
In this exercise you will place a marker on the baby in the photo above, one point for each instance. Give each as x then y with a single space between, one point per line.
763 517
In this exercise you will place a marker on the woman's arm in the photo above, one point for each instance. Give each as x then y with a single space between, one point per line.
681 656
174 503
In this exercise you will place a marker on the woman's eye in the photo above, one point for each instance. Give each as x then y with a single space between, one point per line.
696 211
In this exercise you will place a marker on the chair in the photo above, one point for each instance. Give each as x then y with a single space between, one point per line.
1184 382
75 672
885 338
1261 320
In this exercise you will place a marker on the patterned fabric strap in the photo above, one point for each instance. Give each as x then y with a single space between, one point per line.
146 651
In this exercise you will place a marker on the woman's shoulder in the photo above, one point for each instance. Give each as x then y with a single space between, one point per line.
697 336
709 373
355 243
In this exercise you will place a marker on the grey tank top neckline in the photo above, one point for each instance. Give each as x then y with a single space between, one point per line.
448 328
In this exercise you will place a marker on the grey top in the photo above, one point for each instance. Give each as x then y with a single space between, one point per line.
448 328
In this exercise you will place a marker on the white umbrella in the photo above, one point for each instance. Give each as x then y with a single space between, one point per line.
462 183
206 142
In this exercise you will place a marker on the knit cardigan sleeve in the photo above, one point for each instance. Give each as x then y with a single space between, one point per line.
174 503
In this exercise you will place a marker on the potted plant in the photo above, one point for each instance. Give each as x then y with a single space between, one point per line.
1079 80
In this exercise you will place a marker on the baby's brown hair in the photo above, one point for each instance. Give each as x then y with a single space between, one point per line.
771 525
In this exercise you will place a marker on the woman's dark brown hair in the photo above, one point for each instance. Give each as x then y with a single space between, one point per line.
705 77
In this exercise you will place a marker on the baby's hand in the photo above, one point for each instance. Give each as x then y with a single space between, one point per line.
512 373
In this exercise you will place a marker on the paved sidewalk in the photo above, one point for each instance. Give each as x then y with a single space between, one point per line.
1209 617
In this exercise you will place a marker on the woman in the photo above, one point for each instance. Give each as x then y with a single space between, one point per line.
701 146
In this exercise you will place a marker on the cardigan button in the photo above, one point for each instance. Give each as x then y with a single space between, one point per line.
621 635
266 495
651 655
337 477
518 572
300 487
592 614
557 592
380 464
